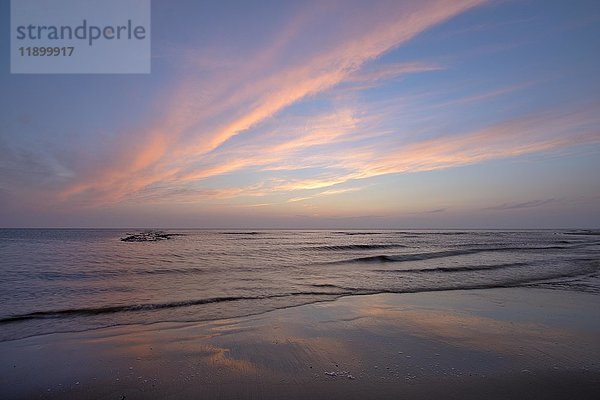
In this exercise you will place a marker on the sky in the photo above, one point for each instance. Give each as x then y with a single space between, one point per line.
318 114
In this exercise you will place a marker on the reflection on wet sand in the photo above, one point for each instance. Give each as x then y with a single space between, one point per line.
388 343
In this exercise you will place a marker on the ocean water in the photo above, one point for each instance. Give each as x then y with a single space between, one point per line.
54 280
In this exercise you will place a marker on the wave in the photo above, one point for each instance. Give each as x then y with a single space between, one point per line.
584 232
73 312
566 285
378 259
437 233
359 233
355 247
111 273
589 267
243 233
442 254
455 269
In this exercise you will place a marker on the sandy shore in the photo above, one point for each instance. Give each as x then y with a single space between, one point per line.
498 343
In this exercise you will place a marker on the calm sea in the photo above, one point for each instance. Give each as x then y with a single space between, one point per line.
54 280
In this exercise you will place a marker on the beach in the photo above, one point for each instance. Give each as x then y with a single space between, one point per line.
300 200
493 343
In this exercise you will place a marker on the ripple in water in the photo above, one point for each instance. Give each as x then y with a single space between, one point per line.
63 280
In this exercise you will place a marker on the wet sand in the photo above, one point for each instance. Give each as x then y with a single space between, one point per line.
494 343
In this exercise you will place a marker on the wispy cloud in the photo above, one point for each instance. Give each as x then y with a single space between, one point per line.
198 133
328 107
385 72
540 132
435 211
205 113
516 206
340 191
330 192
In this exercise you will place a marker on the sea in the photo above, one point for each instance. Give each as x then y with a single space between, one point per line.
65 280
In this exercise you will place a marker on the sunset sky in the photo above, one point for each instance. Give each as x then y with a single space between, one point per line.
324 114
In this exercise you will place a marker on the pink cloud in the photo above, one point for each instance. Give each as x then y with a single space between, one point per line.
202 114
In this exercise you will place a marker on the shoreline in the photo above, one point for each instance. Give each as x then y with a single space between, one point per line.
331 297
495 343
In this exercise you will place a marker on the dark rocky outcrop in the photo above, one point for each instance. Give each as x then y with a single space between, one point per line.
148 236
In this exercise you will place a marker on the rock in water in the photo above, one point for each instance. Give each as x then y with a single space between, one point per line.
148 236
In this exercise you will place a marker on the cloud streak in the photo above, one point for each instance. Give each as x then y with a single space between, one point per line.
543 132
244 95
521 205
316 108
